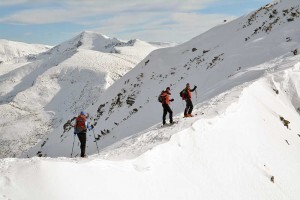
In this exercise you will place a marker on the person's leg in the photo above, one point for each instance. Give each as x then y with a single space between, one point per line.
186 108
164 113
170 113
191 106
82 139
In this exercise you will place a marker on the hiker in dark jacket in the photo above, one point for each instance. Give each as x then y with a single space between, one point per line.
165 104
188 99
80 129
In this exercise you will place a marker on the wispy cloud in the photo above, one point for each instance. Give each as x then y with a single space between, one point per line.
144 19
73 10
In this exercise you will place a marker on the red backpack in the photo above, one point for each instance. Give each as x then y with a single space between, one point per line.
80 123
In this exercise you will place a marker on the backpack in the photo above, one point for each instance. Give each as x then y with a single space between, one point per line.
80 123
161 98
183 94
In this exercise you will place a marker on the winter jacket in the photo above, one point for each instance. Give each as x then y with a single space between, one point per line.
166 97
189 92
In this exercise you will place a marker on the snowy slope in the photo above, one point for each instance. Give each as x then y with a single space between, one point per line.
42 94
10 50
237 147
216 61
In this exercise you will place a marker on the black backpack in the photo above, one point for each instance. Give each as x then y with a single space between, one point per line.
160 97
183 94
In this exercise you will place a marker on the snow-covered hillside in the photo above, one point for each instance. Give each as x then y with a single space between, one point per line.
239 146
216 61
10 50
41 94
243 143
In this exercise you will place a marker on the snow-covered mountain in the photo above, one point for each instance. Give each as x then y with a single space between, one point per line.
216 61
236 147
243 142
10 50
41 94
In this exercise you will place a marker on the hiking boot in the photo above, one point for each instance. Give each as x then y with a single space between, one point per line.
190 115
186 115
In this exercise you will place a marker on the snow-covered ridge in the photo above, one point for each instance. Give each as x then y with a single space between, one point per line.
238 146
39 94
98 42
10 50
215 61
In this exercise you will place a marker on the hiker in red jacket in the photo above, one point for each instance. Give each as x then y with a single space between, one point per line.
80 129
165 104
188 99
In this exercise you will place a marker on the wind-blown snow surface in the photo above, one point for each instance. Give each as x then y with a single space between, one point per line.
48 89
235 148
216 61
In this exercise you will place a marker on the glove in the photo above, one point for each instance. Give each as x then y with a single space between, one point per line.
92 126
172 100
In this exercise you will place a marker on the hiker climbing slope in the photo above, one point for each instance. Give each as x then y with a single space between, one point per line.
186 95
80 129
164 98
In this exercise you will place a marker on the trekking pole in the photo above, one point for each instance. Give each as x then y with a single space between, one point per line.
96 141
73 146
196 95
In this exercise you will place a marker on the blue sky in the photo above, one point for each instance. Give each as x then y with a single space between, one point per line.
52 22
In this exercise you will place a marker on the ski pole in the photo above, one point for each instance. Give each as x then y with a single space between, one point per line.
96 141
196 96
73 146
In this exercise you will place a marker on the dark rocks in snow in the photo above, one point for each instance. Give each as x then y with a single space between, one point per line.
43 143
130 100
205 51
99 110
276 91
215 61
285 122
274 12
272 179
39 154
194 49
135 110
147 62
98 137
79 43
290 19
295 52
288 39
68 125
287 142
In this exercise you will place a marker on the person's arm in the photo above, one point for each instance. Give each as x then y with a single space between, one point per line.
195 87
88 125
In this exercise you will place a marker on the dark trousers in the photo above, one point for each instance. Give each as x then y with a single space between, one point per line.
82 139
167 109
189 107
